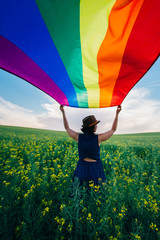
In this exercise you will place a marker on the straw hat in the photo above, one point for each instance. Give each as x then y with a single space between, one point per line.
89 121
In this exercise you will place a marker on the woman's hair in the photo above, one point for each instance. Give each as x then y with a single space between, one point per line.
88 129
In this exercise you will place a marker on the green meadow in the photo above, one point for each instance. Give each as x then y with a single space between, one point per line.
38 200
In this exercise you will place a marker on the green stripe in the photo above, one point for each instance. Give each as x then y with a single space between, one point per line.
62 21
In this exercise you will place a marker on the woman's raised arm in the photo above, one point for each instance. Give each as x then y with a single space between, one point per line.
104 136
70 132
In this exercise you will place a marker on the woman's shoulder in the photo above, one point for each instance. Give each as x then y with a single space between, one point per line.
87 136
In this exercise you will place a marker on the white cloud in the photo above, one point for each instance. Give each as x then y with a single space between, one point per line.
52 109
139 113
12 114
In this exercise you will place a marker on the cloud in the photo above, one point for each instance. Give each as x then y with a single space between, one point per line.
52 118
140 113
12 114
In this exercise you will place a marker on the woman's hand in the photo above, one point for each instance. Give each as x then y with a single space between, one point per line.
118 109
62 108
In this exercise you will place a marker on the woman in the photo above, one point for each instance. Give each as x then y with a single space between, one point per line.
89 166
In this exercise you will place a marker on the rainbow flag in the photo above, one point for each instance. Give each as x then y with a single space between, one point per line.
87 53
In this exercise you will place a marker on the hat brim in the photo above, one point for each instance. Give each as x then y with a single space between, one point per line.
91 124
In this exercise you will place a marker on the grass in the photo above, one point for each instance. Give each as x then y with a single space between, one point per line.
36 168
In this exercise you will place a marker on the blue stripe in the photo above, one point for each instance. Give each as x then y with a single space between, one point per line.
22 24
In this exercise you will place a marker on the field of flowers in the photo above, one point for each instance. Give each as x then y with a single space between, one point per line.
39 202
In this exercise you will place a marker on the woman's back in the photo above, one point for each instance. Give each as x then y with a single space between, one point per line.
88 146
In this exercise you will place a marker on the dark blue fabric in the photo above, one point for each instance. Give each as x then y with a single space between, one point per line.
86 171
88 146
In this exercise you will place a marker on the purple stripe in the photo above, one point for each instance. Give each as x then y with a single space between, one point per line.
17 62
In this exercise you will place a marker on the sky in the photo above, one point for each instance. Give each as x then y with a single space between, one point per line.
21 104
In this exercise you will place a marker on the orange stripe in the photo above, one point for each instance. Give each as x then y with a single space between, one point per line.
109 58
144 47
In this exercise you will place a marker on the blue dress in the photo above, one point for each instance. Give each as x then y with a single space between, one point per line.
88 146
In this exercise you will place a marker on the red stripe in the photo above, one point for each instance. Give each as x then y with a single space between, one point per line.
142 49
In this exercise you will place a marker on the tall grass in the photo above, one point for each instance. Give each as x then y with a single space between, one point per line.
39 201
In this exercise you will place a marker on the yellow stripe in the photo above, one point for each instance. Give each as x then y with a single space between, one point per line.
93 27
